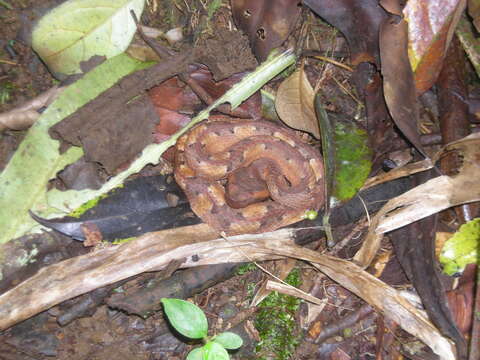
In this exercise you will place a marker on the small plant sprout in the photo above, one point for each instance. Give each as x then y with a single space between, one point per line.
190 321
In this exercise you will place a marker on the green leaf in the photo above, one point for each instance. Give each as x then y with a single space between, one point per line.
347 155
79 29
212 7
187 318
195 354
229 340
462 248
214 351
24 180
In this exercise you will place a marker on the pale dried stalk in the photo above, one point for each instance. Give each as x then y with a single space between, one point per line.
292 291
150 252
154 251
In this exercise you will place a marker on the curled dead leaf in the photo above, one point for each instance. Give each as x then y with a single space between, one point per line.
294 103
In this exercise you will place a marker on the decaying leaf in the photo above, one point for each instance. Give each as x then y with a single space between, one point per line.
294 103
461 249
429 198
142 205
79 29
39 154
124 132
421 268
266 22
430 30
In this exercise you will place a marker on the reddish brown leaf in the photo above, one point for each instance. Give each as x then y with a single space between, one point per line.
266 22
172 99
430 29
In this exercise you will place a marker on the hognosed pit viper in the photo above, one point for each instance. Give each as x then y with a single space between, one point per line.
244 176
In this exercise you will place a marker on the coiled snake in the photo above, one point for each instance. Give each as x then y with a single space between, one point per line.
244 176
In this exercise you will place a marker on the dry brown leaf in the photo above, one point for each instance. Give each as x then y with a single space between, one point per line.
294 103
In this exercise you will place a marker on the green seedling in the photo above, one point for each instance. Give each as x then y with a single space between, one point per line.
190 321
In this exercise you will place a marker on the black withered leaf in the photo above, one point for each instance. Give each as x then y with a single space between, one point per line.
142 205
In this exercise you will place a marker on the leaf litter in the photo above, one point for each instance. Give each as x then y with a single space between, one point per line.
376 104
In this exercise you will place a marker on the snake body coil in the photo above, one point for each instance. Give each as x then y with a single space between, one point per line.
248 176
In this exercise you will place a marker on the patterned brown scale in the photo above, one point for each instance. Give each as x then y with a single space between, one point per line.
244 176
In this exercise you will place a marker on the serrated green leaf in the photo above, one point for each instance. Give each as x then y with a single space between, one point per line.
347 155
195 354
462 248
229 340
187 318
24 180
79 29
214 351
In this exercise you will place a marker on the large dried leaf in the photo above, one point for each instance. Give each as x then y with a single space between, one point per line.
79 29
398 80
294 103
266 22
431 25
